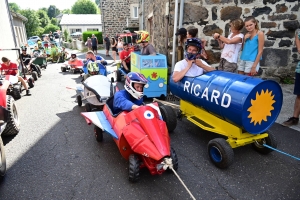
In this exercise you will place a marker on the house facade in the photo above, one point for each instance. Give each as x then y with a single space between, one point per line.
19 28
119 15
8 39
278 19
81 23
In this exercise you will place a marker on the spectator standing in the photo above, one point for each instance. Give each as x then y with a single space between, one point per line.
120 45
94 43
51 37
294 120
106 41
182 33
231 46
114 48
192 33
252 48
89 43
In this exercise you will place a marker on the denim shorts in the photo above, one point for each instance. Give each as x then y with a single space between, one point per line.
245 66
297 84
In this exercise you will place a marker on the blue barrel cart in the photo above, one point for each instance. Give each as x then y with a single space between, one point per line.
155 69
241 108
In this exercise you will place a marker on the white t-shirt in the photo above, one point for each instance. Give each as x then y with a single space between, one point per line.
231 51
193 71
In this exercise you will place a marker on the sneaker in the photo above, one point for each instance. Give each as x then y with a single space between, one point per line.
28 93
291 121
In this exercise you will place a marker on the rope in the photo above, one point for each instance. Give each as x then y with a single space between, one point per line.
281 152
167 163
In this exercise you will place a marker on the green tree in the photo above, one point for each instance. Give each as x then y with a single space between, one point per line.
52 11
66 35
14 7
44 9
84 7
44 19
66 11
33 21
54 21
51 27
40 31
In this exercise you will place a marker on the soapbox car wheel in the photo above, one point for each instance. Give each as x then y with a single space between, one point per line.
134 168
169 116
2 159
79 100
88 107
63 69
31 82
16 93
174 157
98 133
258 145
34 76
220 152
13 124
118 75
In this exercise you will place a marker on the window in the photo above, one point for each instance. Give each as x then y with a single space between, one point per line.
135 12
92 29
73 30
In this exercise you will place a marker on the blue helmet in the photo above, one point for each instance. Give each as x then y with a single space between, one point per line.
192 42
134 77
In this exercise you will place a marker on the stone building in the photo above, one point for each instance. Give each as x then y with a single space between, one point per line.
119 15
278 19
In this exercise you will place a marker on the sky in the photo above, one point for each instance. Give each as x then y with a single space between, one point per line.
36 4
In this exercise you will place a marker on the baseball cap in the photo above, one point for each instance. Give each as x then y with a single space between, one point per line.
181 31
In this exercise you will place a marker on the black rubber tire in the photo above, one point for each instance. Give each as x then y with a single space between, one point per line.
220 153
174 157
119 75
79 100
16 92
31 82
13 124
2 159
37 66
63 69
169 116
134 168
98 133
88 107
34 76
270 141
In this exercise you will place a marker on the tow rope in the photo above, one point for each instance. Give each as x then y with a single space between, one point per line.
281 152
167 163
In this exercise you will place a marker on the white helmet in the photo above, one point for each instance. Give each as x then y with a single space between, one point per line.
134 77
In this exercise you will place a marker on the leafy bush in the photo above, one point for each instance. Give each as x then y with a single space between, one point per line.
87 34
51 27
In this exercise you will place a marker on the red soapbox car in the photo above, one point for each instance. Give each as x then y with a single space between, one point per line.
141 135
73 66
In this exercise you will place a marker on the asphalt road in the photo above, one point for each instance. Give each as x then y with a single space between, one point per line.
55 156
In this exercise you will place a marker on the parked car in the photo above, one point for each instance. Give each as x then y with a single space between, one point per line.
76 35
35 38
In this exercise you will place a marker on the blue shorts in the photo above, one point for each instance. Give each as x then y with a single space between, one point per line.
297 84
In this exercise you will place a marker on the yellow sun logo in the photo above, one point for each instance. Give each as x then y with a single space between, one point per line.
261 107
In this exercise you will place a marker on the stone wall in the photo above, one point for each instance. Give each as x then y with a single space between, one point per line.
114 15
278 19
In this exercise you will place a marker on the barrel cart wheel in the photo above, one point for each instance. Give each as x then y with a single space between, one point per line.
63 69
17 92
169 116
98 133
31 82
134 168
2 159
13 124
220 152
79 100
258 145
